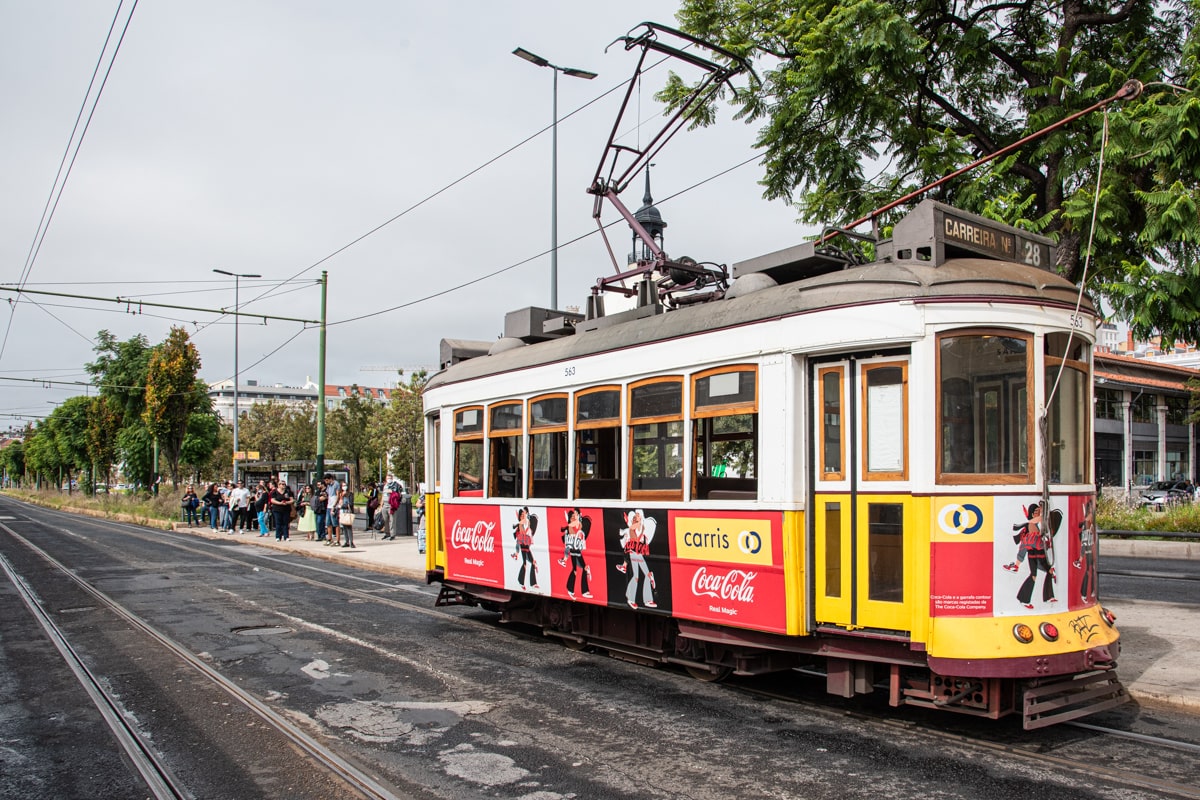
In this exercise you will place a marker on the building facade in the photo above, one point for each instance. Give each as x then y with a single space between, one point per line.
251 392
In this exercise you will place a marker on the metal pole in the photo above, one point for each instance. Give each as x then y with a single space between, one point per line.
321 383
554 197
236 306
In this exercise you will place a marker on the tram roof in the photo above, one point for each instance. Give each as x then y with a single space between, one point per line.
963 279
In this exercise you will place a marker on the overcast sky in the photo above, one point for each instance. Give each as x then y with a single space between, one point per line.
263 137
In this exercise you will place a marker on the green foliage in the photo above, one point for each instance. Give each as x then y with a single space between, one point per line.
351 431
400 430
863 101
172 394
1115 515
104 423
120 369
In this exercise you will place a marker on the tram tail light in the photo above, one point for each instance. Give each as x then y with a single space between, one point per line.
1109 617
1049 632
1023 633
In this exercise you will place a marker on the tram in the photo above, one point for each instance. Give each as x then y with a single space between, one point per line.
873 462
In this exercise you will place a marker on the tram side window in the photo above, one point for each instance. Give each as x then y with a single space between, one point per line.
1069 434
598 444
983 408
656 439
548 446
505 461
468 452
725 435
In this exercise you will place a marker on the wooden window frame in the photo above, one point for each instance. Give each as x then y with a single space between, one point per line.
865 416
470 436
631 422
841 371
988 478
534 429
578 425
503 433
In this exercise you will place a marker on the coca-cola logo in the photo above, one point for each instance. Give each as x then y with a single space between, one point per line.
734 585
476 537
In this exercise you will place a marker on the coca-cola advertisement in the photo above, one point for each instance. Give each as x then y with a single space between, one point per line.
526 549
576 565
474 545
728 569
639 559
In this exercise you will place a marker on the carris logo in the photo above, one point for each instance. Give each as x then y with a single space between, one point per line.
734 585
477 537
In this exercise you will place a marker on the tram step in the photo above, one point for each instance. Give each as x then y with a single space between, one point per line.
1079 696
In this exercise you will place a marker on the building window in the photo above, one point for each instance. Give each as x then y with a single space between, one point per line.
1145 466
1110 404
1177 410
1144 408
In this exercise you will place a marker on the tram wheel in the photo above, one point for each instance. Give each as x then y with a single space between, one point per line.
575 644
709 674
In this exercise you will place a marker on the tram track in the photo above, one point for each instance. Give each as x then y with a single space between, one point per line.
355 782
1035 752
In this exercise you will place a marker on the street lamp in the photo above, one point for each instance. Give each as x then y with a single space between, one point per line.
236 277
537 60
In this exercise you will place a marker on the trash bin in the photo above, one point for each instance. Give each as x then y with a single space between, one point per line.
405 526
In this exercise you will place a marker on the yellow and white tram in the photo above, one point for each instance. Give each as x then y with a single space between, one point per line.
880 469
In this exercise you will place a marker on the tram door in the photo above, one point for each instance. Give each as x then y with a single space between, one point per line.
861 510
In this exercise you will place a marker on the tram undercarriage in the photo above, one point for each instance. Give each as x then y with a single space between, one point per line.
853 663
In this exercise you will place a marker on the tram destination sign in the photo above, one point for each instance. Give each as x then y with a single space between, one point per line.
986 237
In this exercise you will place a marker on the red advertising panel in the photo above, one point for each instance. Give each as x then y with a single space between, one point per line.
474 549
960 579
727 568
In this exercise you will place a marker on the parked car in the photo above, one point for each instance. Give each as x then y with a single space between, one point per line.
1161 494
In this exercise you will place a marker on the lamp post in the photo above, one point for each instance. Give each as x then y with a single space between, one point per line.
537 60
236 277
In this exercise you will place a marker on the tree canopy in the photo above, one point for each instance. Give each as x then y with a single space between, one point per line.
862 101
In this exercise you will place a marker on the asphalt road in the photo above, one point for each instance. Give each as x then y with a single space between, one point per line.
444 703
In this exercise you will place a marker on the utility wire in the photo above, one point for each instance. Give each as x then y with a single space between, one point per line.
525 261
48 216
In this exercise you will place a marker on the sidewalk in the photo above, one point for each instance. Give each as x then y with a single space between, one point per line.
1160 642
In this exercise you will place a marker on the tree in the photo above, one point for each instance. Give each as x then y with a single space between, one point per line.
351 431
401 428
918 88
172 394
264 428
120 370
12 462
203 434
104 424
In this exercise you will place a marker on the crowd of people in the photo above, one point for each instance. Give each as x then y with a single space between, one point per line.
323 510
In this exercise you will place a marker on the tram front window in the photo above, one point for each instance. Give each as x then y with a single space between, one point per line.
1068 432
983 407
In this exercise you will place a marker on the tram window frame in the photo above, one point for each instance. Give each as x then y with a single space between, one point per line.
468 438
869 442
1016 432
705 416
839 429
553 437
1076 378
660 428
597 457
433 446
505 458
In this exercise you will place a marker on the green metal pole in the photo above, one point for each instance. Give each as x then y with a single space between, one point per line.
321 383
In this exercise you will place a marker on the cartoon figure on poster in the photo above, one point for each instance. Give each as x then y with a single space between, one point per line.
523 532
635 542
574 538
1037 550
1087 551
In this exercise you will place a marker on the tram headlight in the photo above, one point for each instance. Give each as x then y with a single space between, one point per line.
1049 632
1023 633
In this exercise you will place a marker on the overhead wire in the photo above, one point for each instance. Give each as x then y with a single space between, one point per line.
57 187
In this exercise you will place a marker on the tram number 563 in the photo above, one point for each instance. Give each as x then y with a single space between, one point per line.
1077 321
568 372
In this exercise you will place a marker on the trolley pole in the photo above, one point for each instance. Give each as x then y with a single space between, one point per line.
321 382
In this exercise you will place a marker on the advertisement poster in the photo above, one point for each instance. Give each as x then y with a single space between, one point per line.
728 569
1007 556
